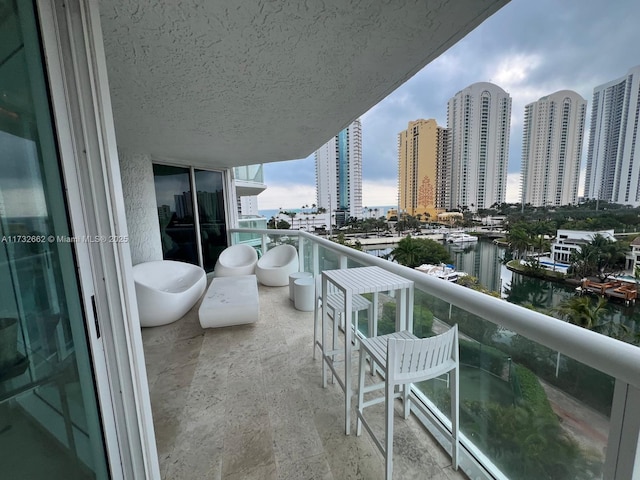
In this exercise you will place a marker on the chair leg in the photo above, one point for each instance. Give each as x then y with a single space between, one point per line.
373 332
388 429
355 341
316 312
361 368
455 414
336 328
405 400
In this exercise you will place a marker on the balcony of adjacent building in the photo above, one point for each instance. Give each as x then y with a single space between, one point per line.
249 180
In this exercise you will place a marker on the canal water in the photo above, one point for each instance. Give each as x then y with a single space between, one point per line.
484 261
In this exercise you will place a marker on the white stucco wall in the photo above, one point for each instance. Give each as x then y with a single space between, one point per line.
140 205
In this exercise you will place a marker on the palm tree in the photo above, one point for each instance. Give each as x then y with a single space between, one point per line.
583 261
540 243
407 253
582 312
518 238
598 257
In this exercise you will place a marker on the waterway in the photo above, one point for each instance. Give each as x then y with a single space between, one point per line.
484 261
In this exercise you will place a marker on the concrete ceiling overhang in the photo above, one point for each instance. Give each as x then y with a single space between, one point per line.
228 83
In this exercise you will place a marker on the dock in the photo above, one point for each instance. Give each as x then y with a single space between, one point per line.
625 291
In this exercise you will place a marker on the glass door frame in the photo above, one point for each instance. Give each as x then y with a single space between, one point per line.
229 217
76 73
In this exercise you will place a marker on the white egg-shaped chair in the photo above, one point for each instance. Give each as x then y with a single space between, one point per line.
236 260
275 266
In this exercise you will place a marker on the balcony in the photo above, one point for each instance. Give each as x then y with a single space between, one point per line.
540 398
247 402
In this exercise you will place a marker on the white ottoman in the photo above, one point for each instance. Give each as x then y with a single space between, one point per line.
304 292
230 301
295 276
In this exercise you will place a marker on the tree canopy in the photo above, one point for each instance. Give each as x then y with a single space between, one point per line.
413 252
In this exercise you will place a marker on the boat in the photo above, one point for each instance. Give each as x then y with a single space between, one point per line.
461 237
443 271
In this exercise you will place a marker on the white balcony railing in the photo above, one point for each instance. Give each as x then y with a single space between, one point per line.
522 357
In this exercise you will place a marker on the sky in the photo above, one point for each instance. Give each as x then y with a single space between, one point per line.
530 48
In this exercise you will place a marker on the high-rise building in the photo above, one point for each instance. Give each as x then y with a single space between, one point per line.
479 118
552 148
613 169
339 173
424 158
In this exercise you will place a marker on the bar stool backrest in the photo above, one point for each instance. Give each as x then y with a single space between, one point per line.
411 361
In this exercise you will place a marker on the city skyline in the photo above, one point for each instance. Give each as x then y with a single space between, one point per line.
527 48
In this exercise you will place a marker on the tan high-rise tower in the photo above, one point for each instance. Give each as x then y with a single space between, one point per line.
424 158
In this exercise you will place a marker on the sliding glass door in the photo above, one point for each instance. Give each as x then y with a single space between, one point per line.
50 424
213 230
179 226
175 213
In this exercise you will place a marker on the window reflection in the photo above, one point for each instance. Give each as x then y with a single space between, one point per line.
49 421
213 234
174 198
175 213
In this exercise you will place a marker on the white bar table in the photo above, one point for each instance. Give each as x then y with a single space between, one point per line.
352 281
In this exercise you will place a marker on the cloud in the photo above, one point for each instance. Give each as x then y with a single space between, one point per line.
378 193
513 188
512 70
290 195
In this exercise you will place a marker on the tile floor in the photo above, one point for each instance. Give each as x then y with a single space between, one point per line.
246 402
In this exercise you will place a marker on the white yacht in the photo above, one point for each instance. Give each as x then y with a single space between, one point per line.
443 271
461 237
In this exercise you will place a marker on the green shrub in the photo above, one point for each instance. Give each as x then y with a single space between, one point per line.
422 320
532 394
482 356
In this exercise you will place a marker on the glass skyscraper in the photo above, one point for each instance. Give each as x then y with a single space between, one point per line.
339 173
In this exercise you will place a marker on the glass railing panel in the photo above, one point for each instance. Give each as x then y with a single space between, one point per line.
252 222
351 263
533 413
249 173
328 259
307 261
275 239
253 239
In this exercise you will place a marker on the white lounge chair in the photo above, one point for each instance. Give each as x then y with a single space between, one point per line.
274 267
236 260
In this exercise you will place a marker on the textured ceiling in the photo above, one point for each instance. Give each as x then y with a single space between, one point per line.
236 83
